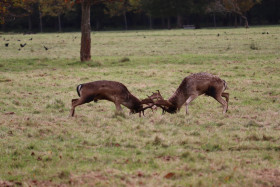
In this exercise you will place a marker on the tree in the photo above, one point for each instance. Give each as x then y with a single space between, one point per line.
118 8
167 9
55 8
239 7
9 9
85 52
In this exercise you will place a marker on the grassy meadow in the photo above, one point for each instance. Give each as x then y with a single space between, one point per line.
41 146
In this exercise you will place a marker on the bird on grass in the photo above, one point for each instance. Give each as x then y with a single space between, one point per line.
22 45
46 48
6 44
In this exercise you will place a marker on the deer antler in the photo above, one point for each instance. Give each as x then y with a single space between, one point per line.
145 108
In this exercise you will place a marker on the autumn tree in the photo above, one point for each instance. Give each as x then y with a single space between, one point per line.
119 8
55 8
10 9
238 7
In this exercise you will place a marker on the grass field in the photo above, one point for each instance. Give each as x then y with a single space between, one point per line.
41 146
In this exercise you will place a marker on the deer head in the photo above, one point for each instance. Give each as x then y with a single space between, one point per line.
157 100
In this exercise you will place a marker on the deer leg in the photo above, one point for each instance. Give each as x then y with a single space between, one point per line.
118 107
222 102
76 102
226 95
190 99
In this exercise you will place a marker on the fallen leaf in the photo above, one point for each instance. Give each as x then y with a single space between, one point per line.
169 175
140 174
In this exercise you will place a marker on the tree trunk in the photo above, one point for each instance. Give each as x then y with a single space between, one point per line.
41 24
246 22
245 19
59 23
125 20
235 20
85 27
179 21
3 27
97 25
168 23
150 21
214 19
162 22
29 23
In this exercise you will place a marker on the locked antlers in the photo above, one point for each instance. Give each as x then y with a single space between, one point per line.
157 100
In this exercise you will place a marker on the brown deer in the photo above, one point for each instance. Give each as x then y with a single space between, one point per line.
112 91
191 87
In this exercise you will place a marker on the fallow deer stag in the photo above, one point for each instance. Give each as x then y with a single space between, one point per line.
191 87
112 91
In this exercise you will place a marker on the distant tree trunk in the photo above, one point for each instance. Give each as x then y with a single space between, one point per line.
246 21
3 27
41 24
162 22
86 29
29 23
168 23
125 20
235 20
98 26
179 21
150 21
214 19
59 23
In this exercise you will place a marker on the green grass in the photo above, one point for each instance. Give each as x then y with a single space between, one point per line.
41 145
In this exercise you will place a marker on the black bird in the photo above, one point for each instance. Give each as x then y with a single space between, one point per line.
19 49
18 40
30 38
6 44
22 45
218 34
46 48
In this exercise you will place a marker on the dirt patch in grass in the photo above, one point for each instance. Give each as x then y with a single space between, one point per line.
266 177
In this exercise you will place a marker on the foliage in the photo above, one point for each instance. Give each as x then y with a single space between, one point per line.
239 6
118 8
15 8
54 7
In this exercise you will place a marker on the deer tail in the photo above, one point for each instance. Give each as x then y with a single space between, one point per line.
225 85
79 89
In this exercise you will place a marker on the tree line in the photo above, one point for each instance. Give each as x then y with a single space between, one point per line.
56 15
168 11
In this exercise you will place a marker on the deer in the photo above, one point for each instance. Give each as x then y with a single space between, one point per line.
190 88
113 91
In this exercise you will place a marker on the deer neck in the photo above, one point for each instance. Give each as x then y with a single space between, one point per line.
178 98
132 102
